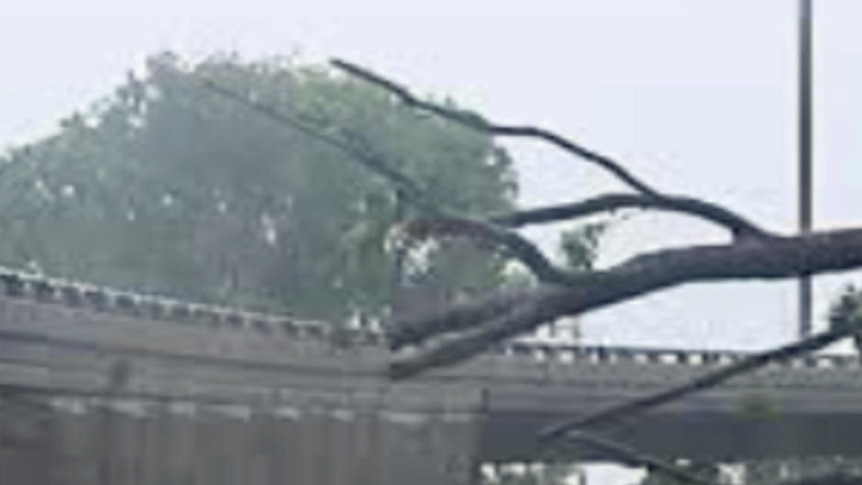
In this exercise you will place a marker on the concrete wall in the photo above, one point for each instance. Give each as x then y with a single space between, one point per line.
117 442
119 397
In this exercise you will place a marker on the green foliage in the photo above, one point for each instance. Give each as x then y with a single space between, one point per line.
165 186
580 245
847 310
759 406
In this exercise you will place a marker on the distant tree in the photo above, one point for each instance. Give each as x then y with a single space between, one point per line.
167 187
847 310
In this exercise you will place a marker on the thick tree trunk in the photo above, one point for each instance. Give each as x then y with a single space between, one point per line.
507 314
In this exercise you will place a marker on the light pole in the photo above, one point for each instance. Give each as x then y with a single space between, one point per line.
806 119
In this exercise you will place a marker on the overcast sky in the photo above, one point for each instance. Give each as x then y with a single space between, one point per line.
696 96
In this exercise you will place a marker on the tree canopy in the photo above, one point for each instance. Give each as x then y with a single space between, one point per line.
164 186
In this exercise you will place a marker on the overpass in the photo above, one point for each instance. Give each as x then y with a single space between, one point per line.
175 379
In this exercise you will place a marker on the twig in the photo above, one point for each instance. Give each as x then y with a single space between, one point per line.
773 258
632 457
710 380
478 123
738 225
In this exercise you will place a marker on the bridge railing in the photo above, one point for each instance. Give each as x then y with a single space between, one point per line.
562 353
79 295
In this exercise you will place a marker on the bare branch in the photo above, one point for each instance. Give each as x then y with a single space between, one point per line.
476 122
721 216
773 258
649 197
709 380
519 247
632 457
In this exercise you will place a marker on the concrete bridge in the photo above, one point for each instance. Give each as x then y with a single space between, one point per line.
177 384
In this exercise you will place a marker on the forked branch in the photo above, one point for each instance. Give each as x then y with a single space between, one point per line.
517 246
736 224
505 317
479 123
649 196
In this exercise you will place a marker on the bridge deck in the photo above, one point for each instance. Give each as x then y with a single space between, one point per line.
106 349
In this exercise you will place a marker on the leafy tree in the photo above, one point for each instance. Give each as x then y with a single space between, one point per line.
580 245
165 186
847 310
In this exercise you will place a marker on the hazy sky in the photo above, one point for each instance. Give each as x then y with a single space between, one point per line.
696 96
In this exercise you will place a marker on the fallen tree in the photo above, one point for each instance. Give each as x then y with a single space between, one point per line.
497 317
752 253
470 327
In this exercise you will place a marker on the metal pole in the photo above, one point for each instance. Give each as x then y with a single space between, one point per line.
806 119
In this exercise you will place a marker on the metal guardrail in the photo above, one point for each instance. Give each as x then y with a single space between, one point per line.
659 356
74 294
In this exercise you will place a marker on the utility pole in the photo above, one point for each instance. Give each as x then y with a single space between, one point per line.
806 120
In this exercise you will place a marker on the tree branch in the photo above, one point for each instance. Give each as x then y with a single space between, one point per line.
738 225
709 380
476 122
774 258
414 329
649 196
518 246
